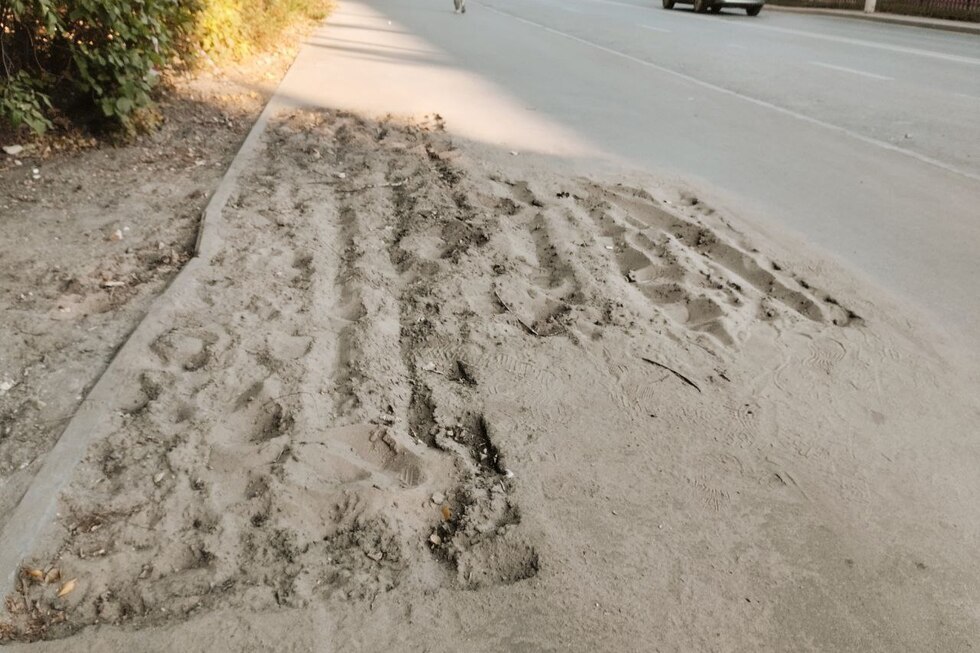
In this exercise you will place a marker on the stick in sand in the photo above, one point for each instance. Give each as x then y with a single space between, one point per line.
524 324
674 372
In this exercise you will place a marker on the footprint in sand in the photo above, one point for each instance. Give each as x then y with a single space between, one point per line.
377 451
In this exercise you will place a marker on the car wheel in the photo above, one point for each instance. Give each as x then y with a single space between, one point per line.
668 4
715 9
753 11
701 6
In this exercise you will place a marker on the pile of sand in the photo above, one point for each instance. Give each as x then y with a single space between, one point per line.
420 402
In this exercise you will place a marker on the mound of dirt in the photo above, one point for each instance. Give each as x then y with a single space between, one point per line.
417 397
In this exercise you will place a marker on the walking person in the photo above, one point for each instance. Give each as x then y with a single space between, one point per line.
460 6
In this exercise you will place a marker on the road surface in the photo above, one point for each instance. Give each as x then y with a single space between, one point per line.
859 137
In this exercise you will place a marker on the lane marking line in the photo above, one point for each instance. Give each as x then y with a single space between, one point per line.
852 71
747 98
657 29
868 44
560 5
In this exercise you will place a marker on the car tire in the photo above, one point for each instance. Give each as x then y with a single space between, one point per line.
668 4
701 6
753 11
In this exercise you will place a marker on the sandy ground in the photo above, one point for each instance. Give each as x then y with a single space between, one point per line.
89 239
429 396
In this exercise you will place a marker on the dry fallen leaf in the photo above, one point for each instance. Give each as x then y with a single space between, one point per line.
67 588
53 575
13 605
35 574
446 512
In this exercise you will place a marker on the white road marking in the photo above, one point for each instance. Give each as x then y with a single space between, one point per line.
868 44
826 37
851 70
747 98
561 5
656 29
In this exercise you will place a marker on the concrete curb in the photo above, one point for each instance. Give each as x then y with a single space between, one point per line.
963 27
37 509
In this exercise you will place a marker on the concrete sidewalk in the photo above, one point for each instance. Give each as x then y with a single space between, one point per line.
961 26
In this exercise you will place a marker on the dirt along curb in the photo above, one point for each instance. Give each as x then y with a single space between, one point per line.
38 507
962 27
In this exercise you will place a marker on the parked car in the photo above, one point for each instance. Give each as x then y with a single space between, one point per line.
751 7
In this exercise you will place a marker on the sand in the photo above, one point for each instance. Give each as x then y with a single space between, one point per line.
88 246
425 396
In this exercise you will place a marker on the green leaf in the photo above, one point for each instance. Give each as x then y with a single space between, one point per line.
124 106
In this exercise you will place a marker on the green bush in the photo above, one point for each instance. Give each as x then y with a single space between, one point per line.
88 58
99 59
21 103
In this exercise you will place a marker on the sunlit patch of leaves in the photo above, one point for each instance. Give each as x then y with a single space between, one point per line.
99 60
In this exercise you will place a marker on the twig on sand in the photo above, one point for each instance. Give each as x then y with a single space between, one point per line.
286 396
524 324
391 184
674 372
281 454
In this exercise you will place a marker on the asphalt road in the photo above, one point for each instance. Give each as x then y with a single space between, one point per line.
861 138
